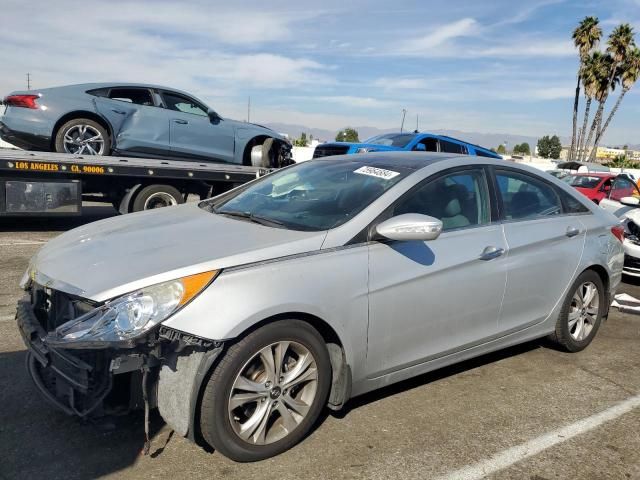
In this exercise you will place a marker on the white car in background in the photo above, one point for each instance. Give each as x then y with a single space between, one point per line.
627 208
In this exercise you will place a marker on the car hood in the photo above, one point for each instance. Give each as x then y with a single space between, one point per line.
111 257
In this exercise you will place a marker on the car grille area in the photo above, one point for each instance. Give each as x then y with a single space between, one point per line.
327 150
54 308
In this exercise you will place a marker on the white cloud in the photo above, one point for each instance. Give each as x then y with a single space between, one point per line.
439 36
401 83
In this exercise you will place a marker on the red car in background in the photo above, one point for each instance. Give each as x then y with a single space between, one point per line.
596 186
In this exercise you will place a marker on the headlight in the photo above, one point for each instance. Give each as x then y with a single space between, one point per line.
130 315
365 149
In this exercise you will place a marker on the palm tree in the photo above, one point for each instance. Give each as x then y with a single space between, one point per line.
585 37
593 70
619 44
599 75
629 72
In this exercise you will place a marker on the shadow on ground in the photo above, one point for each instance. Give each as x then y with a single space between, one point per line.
36 439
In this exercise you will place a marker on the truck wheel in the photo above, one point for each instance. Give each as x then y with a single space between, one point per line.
156 196
267 391
82 136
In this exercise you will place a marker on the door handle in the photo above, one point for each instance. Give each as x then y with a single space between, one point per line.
489 253
119 112
181 122
572 232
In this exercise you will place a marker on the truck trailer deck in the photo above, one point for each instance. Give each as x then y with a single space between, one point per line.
45 184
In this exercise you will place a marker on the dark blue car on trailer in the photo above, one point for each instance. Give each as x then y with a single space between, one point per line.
415 141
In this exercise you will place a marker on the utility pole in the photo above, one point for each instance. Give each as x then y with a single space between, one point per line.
249 110
28 81
417 121
404 113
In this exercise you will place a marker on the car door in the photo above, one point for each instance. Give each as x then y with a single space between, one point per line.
545 245
622 187
139 125
427 299
194 133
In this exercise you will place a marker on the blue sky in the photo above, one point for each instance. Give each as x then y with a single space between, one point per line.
495 67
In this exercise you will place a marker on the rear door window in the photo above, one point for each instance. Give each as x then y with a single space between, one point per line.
138 96
525 197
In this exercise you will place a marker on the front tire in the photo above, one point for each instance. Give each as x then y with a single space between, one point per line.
582 313
81 136
267 391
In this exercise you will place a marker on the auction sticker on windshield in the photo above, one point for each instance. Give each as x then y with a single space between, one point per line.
377 172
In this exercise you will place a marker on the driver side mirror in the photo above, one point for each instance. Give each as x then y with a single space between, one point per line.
213 116
630 201
410 226
606 188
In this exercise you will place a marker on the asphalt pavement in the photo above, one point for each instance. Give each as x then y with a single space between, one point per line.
529 412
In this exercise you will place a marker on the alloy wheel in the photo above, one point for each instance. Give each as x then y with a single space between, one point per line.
83 139
273 392
583 312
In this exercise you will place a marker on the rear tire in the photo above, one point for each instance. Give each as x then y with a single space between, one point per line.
74 137
581 314
249 414
156 196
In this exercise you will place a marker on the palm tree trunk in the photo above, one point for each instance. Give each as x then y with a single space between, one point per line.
592 130
583 132
611 114
594 148
575 120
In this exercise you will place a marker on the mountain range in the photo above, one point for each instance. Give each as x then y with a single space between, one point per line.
488 140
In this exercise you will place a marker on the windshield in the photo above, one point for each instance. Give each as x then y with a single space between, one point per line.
311 196
392 139
584 181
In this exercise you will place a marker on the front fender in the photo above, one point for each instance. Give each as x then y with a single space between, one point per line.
329 285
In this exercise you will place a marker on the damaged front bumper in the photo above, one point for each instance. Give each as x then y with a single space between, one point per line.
164 370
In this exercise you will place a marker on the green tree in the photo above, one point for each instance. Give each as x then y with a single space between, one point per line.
347 135
621 161
549 147
522 149
501 149
302 141
585 37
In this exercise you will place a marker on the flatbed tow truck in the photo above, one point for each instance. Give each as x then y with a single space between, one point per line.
54 184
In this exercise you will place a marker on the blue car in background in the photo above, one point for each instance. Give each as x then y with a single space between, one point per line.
135 120
420 142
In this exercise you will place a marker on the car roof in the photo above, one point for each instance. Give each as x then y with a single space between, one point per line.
92 86
437 135
393 159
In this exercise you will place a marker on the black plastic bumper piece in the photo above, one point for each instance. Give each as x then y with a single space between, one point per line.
74 382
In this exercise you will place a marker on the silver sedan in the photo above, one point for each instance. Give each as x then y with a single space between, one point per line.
241 317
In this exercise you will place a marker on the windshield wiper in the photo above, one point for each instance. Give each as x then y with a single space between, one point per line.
253 218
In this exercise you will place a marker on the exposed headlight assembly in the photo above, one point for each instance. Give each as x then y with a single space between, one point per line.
365 149
127 317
